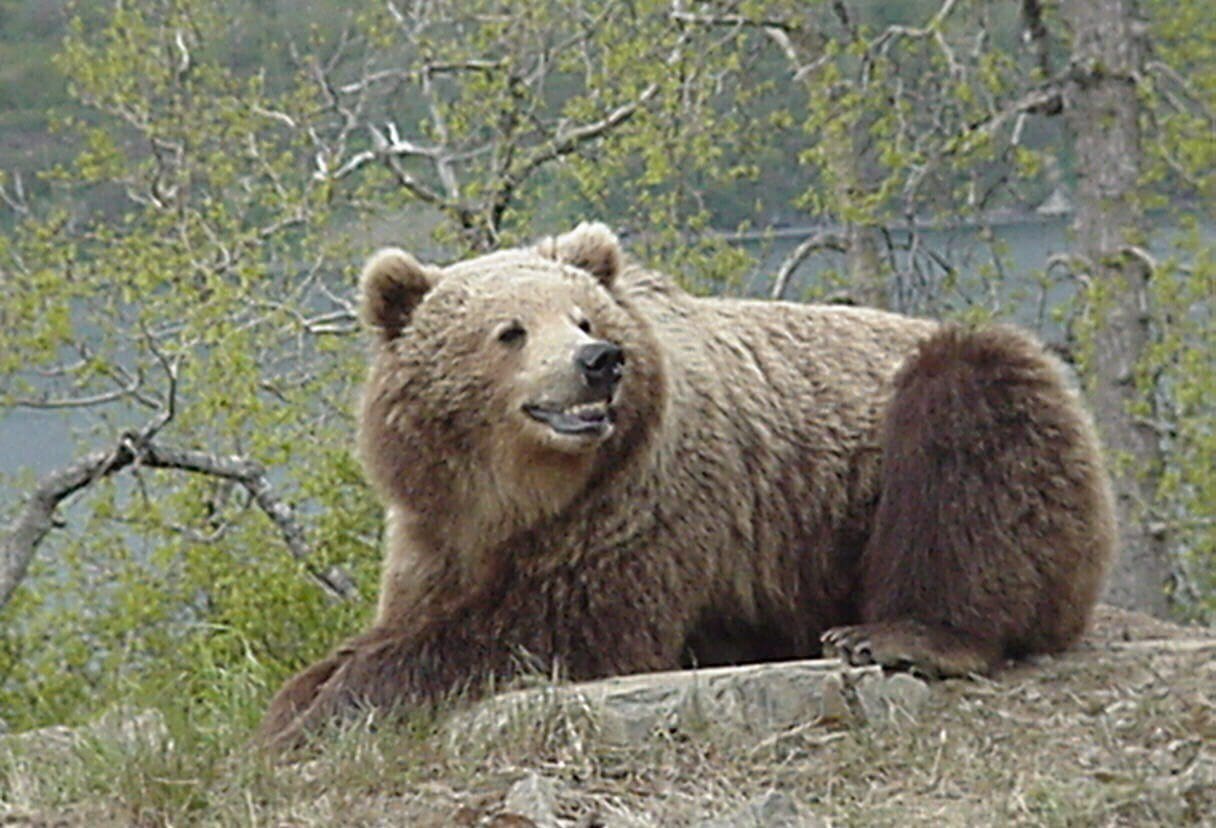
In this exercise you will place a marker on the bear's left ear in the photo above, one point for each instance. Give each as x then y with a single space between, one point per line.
392 285
591 247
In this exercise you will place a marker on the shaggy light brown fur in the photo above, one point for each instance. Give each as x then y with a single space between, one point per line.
763 476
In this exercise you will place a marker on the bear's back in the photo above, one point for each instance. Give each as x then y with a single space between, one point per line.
783 362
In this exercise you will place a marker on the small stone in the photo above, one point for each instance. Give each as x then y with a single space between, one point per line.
622 819
891 698
510 821
769 810
833 704
535 798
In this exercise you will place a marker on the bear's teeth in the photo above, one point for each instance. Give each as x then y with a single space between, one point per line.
580 419
584 410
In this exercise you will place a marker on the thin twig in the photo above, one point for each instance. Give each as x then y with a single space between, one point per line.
139 449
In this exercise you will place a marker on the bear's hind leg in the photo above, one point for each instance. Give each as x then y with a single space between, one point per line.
993 526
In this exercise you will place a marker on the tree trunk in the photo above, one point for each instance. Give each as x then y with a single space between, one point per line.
866 285
1103 110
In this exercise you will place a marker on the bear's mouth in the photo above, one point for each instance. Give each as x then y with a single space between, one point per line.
588 419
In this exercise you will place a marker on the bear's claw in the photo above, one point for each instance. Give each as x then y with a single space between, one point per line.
921 649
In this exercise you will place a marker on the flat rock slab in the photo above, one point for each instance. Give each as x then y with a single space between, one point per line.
752 701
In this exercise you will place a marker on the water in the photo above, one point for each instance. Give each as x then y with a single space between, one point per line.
34 441
942 270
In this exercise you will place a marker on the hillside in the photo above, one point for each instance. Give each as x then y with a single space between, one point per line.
1119 732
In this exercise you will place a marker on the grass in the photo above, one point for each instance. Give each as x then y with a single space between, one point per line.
1103 736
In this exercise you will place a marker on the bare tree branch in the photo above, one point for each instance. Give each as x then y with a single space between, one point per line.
568 140
896 31
253 478
819 241
81 402
16 200
37 518
1044 99
139 449
1036 34
735 20
1198 104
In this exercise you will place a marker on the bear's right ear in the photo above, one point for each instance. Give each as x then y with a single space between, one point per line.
392 285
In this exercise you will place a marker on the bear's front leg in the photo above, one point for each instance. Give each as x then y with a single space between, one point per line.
459 649
295 697
383 669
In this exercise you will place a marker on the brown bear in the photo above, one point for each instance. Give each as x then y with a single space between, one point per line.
590 471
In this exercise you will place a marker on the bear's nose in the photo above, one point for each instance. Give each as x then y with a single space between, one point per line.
600 364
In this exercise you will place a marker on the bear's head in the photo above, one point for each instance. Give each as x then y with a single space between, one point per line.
518 376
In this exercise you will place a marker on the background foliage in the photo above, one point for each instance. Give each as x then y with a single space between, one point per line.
189 190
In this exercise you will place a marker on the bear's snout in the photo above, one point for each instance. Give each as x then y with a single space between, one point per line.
600 364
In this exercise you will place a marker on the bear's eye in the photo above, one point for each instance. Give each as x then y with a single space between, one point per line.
584 325
512 334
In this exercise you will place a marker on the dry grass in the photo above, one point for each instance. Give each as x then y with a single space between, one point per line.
1116 733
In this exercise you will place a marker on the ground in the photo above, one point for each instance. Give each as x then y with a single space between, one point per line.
1120 731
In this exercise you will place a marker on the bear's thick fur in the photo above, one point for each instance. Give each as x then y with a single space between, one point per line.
587 469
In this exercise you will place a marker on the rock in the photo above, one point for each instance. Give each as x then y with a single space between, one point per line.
751 701
623 819
535 798
128 729
834 700
133 729
45 741
770 810
508 821
890 698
